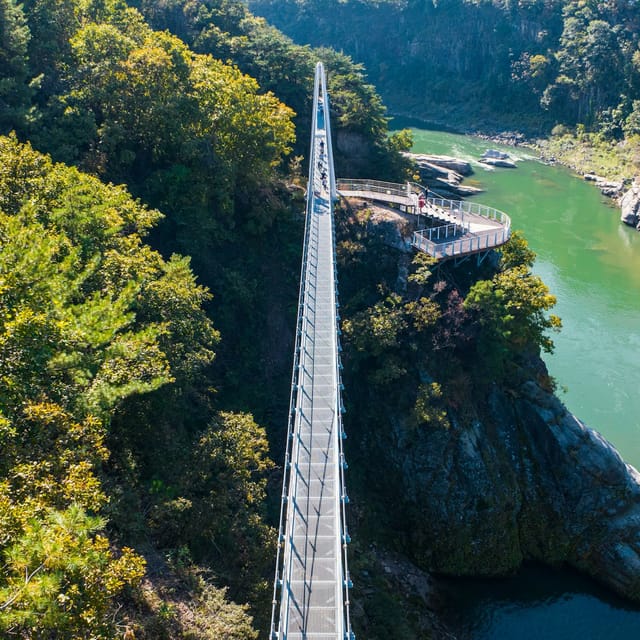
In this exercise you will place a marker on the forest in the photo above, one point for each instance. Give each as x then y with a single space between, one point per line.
151 172
487 64
146 324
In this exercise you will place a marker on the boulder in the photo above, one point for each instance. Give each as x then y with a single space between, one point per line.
609 188
448 162
498 162
630 206
464 190
452 190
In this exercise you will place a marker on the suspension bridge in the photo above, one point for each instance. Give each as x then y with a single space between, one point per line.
311 587
312 584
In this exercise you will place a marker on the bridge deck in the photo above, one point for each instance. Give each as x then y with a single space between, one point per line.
312 580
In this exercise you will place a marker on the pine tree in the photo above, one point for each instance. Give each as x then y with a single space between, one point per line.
15 92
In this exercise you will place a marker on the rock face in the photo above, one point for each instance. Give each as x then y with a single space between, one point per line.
514 477
630 206
354 152
528 480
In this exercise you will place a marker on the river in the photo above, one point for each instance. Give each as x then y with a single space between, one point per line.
591 262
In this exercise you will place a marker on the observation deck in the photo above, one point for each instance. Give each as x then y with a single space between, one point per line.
450 228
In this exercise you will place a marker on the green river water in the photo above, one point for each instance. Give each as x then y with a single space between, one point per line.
591 262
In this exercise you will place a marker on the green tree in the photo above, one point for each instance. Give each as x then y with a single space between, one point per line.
217 506
511 311
590 56
90 319
227 30
15 92
516 252
61 578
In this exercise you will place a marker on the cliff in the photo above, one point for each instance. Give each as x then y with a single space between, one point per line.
500 472
526 480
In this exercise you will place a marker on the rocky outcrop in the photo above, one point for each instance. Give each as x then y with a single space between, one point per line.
609 188
393 227
630 206
446 162
443 174
527 480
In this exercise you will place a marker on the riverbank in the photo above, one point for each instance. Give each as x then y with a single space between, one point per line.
612 166
582 152
588 153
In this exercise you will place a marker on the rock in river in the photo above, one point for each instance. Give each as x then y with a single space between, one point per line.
630 205
443 175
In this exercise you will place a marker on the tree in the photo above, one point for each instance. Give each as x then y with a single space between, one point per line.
516 252
61 578
90 318
590 56
15 92
510 312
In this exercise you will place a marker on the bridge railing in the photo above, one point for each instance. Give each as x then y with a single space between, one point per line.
442 232
461 246
462 208
411 189
300 340
373 186
345 539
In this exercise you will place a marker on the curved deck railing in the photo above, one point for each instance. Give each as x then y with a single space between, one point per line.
373 186
462 208
480 227
466 245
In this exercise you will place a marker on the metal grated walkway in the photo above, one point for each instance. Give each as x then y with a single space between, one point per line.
311 586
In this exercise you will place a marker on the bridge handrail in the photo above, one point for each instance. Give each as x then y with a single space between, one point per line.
300 336
412 189
465 245
299 340
346 580
373 186
445 229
